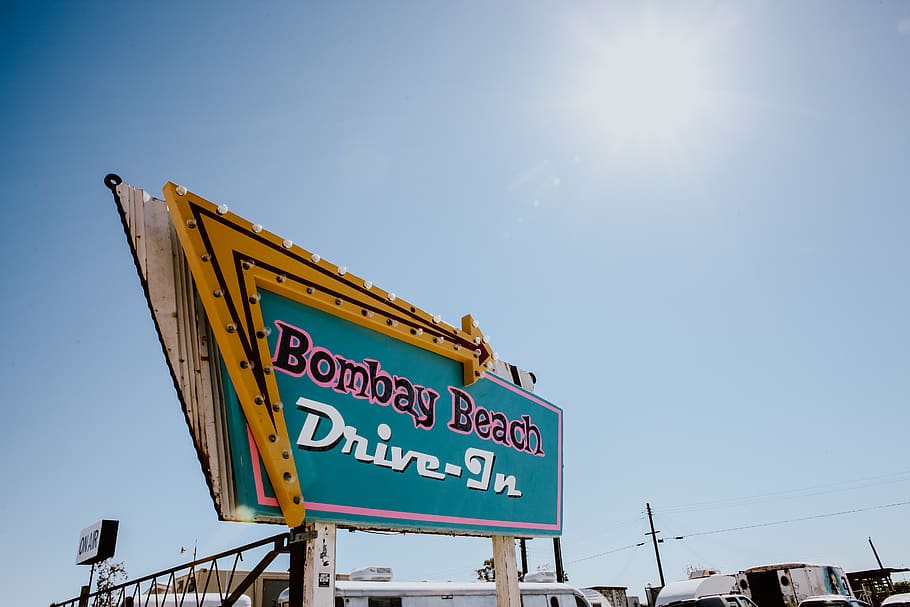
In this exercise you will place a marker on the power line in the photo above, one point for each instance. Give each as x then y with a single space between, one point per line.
600 554
793 520
742 528
833 487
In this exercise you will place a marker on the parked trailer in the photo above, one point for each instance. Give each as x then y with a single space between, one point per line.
786 584
781 585
446 594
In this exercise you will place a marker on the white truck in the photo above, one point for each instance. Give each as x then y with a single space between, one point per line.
780 585
786 584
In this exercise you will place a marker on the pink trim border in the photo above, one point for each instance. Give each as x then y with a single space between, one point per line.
261 497
434 518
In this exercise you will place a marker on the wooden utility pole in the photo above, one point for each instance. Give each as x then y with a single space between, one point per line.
557 556
522 543
880 566
653 534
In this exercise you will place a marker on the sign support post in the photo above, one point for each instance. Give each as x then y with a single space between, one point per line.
83 596
319 567
557 555
297 554
506 567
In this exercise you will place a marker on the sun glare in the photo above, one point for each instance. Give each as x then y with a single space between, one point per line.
648 87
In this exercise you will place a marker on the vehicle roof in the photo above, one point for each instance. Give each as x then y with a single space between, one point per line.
774 566
349 588
828 597
897 598
695 588
694 600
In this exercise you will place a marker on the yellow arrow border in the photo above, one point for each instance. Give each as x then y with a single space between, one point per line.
231 258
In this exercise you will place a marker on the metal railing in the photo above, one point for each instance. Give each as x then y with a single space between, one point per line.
201 584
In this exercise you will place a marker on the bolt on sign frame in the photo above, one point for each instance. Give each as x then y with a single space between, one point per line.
314 395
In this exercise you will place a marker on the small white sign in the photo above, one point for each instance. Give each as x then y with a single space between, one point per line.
97 542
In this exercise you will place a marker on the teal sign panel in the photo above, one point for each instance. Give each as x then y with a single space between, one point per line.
386 435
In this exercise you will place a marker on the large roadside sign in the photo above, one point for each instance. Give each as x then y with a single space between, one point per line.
386 433
336 401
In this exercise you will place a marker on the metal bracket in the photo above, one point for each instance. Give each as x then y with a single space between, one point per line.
303 536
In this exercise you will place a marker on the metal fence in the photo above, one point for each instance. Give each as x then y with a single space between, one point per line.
211 581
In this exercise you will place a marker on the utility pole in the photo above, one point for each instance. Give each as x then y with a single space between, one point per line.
880 566
524 557
557 554
875 552
653 534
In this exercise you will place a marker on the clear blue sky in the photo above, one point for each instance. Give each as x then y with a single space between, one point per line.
690 220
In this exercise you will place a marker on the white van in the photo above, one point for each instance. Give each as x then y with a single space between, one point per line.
897 600
695 588
446 594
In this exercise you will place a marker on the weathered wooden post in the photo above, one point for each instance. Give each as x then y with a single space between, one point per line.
506 565
319 569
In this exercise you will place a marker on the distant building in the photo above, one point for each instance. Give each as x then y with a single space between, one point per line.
615 594
873 585
263 591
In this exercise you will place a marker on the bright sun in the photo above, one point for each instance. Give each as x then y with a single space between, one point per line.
649 87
